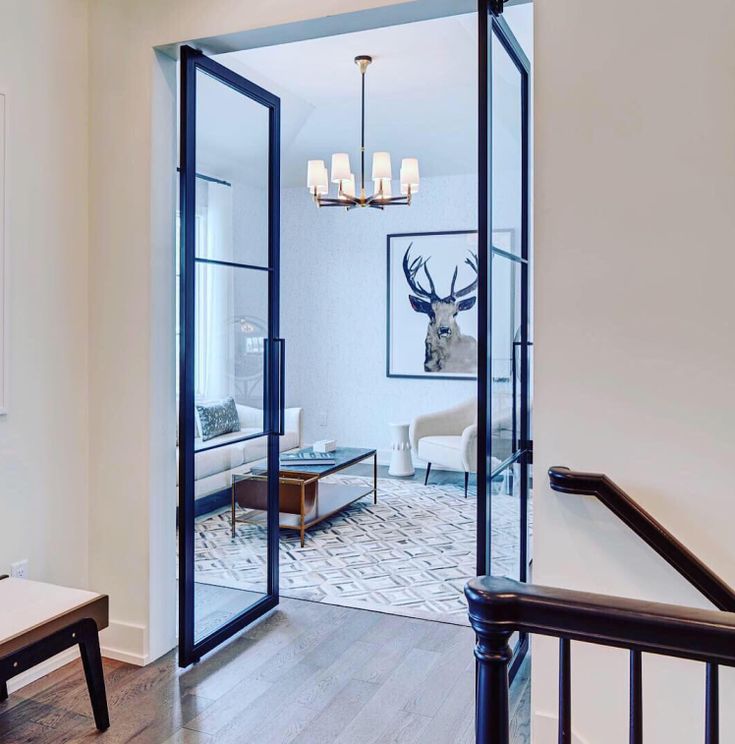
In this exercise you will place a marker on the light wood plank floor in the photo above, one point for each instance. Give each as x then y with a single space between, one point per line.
309 673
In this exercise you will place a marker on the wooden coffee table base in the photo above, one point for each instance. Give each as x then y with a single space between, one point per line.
304 499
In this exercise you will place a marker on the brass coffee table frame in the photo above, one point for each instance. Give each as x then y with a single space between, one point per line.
302 480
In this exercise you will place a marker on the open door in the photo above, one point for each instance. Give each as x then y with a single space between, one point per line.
231 359
504 412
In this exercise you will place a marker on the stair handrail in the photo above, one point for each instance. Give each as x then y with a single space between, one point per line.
499 607
650 530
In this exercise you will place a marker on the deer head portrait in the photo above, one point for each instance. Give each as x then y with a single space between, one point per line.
446 348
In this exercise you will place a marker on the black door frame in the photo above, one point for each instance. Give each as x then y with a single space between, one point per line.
491 24
193 60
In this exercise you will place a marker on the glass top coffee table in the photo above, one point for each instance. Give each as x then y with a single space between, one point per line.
304 499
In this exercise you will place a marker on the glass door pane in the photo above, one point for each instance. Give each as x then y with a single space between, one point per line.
503 300
230 407
504 378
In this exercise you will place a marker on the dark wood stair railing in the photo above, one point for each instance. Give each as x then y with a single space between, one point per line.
676 554
652 532
500 607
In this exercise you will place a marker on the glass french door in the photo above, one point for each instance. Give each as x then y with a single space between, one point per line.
231 359
504 379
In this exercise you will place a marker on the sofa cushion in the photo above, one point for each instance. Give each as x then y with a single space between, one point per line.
220 460
217 460
216 418
446 450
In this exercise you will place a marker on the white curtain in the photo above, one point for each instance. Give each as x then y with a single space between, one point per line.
214 295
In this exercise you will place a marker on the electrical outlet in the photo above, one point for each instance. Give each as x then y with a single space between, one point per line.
19 569
323 418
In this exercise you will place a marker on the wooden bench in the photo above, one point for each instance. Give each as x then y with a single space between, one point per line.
38 621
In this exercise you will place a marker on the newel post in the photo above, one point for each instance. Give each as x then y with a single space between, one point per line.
493 655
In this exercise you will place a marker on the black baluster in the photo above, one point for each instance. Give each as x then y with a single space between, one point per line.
712 709
565 692
636 698
493 656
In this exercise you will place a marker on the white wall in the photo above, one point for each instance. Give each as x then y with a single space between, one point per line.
333 310
44 438
635 365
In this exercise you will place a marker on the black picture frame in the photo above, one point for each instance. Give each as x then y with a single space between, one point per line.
389 309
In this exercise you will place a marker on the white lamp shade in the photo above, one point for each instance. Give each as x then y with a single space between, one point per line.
387 190
340 167
410 172
323 187
348 187
381 165
316 173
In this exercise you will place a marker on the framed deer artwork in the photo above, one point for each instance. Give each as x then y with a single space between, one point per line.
432 303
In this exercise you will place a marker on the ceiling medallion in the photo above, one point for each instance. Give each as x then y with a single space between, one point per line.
317 178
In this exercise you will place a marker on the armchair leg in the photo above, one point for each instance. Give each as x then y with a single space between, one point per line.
428 470
466 482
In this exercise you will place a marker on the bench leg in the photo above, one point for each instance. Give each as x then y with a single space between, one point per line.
89 647
3 691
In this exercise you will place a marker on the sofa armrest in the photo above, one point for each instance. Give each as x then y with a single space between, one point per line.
294 422
448 422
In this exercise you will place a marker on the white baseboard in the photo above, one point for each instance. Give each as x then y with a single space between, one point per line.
126 642
42 669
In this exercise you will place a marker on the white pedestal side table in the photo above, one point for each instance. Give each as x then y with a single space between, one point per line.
400 460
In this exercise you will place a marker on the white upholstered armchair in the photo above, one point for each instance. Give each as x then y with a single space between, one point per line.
448 438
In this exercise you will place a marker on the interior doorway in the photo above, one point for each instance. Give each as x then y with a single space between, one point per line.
339 293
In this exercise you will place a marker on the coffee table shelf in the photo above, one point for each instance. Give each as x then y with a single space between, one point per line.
304 499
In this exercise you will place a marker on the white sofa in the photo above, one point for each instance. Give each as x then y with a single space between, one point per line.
214 467
448 438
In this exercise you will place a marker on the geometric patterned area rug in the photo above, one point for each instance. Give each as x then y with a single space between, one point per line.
409 554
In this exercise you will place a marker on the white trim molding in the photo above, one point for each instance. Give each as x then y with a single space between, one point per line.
126 642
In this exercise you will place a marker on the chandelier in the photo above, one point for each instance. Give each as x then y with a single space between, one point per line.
317 178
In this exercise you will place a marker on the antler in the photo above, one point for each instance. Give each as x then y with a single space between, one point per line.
411 271
472 262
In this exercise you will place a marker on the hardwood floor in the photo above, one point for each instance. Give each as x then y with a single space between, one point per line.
309 674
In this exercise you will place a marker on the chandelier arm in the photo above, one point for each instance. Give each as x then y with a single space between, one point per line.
387 201
345 202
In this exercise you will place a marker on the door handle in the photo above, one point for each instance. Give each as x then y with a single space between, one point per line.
281 345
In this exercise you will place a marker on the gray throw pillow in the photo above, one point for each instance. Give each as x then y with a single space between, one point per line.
219 417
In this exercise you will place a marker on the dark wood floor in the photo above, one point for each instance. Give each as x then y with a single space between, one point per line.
309 673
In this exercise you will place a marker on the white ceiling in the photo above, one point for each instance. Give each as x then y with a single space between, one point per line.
421 95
